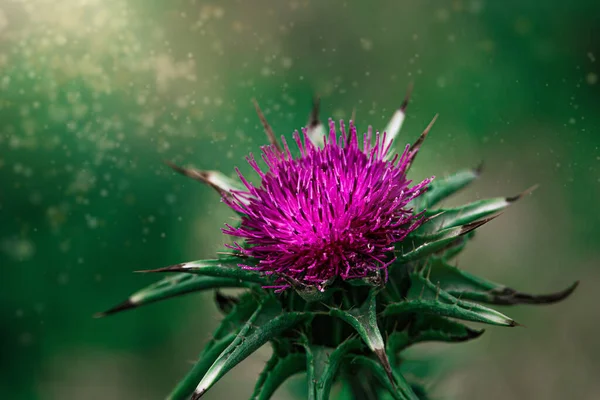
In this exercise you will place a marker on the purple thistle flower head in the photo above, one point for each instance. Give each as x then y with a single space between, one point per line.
333 212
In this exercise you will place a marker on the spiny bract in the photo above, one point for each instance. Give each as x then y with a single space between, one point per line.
335 251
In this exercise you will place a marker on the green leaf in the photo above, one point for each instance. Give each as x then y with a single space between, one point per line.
278 369
465 214
267 322
439 219
172 286
316 364
186 386
426 298
220 268
364 321
453 279
224 335
322 365
466 286
237 317
440 189
399 388
418 246
428 328
459 311
509 297
455 248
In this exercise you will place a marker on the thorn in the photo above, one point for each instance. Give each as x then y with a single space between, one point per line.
174 166
474 334
314 114
431 217
171 268
422 292
474 225
407 97
198 175
268 130
417 145
511 296
429 271
126 305
512 199
353 115
478 170
197 395
380 353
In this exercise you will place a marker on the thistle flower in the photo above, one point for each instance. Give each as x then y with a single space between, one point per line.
335 250
335 211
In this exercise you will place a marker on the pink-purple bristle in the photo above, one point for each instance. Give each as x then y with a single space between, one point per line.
333 212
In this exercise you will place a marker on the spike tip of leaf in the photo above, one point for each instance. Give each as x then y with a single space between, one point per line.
268 130
512 199
510 296
126 305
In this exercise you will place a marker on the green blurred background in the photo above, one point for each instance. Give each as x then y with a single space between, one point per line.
95 94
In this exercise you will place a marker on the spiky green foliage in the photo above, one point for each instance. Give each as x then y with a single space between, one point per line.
355 331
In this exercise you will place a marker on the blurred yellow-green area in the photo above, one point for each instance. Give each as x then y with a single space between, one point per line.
95 94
